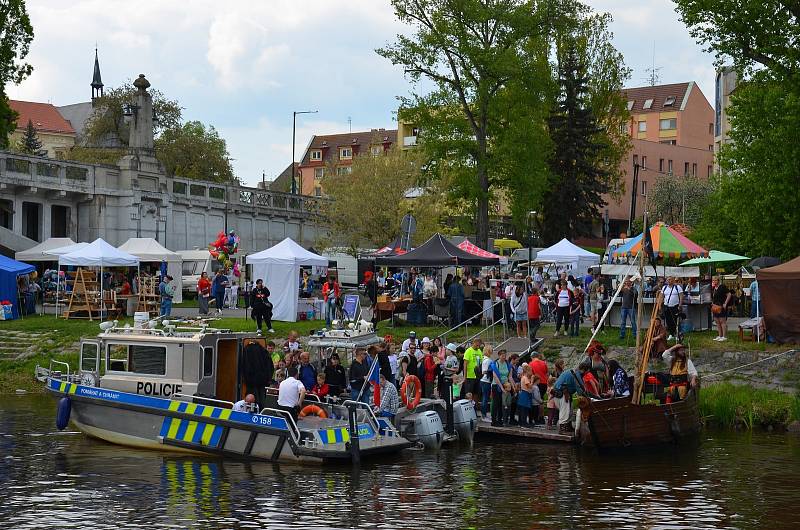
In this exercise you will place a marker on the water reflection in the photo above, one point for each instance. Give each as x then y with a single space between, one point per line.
57 479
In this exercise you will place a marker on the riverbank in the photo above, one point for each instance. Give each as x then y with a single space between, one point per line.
744 407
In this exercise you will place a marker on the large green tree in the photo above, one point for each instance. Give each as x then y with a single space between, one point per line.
462 54
193 151
30 143
385 180
16 35
678 199
751 209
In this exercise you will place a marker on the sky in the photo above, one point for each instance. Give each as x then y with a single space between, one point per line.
245 66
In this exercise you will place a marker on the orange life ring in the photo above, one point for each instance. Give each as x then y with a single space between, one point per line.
312 409
417 391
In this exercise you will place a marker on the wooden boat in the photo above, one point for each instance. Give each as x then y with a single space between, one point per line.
619 423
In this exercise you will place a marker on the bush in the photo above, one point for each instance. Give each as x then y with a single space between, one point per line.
729 405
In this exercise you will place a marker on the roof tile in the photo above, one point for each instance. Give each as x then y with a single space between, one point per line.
44 116
658 94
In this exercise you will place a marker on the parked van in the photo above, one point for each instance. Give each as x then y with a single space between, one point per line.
346 266
195 262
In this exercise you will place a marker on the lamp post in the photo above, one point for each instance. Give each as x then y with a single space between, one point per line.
294 128
531 214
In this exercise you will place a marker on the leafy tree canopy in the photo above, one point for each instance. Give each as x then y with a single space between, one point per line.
193 151
16 34
678 199
369 203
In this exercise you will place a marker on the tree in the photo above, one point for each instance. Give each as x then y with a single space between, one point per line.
108 126
678 199
16 35
385 179
193 151
30 143
579 177
753 209
753 34
469 50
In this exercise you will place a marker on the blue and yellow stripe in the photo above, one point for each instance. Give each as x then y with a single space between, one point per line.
67 388
334 436
193 432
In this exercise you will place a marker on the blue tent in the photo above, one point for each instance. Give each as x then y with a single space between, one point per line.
9 270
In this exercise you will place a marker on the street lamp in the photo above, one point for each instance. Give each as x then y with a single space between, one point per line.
531 214
294 127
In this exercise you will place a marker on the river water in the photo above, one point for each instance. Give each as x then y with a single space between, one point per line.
51 479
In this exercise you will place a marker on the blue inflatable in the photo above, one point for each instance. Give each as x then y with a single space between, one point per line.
63 409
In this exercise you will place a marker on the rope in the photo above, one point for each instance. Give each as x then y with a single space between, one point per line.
749 364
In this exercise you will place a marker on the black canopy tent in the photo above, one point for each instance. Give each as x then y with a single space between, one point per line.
436 252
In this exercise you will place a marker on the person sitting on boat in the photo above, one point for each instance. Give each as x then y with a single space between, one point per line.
306 371
291 393
592 386
599 366
335 376
622 387
659 342
682 372
568 383
390 401
321 389
248 404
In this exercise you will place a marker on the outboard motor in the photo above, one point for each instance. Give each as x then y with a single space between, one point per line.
465 420
429 429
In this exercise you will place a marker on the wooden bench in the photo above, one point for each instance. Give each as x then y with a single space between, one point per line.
750 329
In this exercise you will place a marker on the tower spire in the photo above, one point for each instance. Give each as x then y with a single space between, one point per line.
97 82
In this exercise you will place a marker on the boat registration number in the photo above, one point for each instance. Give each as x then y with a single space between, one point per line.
262 420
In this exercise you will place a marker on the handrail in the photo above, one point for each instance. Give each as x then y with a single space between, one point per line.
466 322
316 397
293 428
374 421
490 326
53 361
224 402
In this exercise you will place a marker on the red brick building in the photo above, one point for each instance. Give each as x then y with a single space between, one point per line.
672 133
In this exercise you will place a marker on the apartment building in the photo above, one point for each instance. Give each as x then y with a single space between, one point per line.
335 153
672 130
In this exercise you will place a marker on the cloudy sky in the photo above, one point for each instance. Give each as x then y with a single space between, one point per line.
244 66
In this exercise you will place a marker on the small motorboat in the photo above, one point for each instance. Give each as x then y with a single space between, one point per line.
173 388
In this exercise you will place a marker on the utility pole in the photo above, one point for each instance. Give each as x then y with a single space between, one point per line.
294 129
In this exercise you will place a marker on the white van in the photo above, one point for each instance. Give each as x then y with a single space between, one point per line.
195 262
346 266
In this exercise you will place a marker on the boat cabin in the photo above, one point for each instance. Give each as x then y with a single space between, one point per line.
202 362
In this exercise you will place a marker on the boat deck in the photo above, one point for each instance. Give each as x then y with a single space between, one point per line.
536 434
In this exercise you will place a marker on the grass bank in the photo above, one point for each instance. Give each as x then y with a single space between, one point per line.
742 406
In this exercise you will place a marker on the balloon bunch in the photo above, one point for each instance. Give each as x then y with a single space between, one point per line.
223 247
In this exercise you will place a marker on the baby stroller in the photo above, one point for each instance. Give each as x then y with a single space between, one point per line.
548 310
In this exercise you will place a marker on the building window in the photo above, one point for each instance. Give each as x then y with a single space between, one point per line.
686 168
376 150
644 188
317 191
623 128
647 104
644 162
345 153
669 167
635 160
711 129
344 170
668 124
316 155
319 172
668 142
642 126
694 170
710 147
630 104
710 169
660 165
670 101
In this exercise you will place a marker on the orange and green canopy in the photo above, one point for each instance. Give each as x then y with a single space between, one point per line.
667 243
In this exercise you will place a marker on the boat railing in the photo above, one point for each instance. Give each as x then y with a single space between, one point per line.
228 404
465 325
371 415
294 430
313 397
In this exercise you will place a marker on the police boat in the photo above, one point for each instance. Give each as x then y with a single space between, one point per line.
166 387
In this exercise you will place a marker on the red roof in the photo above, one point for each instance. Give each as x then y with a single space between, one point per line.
658 97
44 116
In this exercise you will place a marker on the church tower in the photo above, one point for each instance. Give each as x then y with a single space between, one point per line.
97 82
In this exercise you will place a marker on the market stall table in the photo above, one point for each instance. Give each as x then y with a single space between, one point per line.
697 311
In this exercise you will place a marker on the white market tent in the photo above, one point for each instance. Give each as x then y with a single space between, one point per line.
148 250
565 253
60 251
41 252
279 267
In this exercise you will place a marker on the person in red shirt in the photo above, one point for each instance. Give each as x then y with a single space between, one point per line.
330 294
203 293
591 384
534 314
321 389
539 367
430 373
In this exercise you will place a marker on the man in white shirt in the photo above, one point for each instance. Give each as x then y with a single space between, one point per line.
248 404
673 299
291 393
412 336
